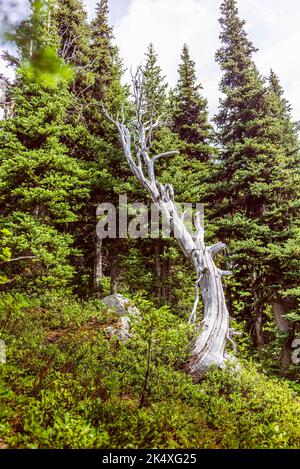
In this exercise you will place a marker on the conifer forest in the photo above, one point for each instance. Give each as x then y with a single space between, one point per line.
149 251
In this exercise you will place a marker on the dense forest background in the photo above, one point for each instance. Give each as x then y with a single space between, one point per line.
66 383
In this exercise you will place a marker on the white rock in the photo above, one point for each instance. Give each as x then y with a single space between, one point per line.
125 309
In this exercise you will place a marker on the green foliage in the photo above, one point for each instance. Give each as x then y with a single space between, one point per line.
190 113
46 245
42 187
90 137
46 68
5 251
68 381
249 410
254 192
68 384
40 62
155 96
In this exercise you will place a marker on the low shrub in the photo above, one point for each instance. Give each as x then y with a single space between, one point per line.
68 384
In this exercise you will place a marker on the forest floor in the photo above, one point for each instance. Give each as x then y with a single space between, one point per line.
68 384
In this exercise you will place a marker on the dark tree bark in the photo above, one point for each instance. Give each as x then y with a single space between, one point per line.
114 276
259 333
284 327
98 265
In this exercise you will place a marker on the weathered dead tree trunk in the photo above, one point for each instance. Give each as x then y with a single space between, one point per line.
214 331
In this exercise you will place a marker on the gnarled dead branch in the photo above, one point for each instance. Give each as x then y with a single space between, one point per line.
209 347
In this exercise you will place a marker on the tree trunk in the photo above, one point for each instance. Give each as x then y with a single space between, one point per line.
257 285
165 268
163 275
259 333
98 264
162 269
209 347
158 270
114 273
285 328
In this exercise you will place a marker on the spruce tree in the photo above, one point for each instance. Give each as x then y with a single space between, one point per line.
107 90
155 86
190 123
107 70
89 136
92 138
103 52
42 187
74 33
169 271
190 112
281 109
155 107
253 176
244 166
284 253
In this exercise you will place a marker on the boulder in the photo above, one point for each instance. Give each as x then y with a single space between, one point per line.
125 309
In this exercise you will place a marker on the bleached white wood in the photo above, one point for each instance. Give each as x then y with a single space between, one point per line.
209 347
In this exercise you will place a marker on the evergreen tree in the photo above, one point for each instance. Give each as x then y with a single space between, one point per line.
155 86
42 188
243 168
284 252
281 109
168 272
75 35
155 107
107 70
92 138
102 51
253 176
107 90
89 135
190 123
190 113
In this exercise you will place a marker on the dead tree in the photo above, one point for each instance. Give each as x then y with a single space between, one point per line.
213 331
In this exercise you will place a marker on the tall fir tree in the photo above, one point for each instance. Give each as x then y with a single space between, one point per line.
249 187
155 86
170 273
75 35
108 91
104 53
155 107
42 188
190 112
284 252
94 141
91 139
190 123
107 69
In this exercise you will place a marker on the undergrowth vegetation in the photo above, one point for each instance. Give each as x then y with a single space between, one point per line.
68 383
